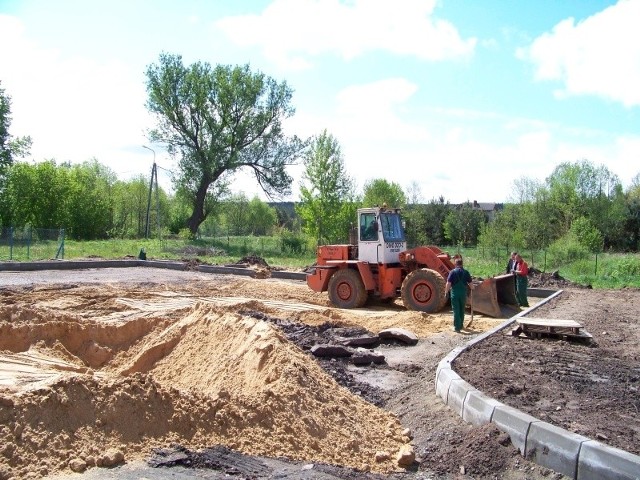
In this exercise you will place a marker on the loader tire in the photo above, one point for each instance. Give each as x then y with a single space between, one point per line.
346 289
423 290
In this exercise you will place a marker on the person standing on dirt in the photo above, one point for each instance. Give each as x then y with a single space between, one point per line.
511 268
522 281
457 282
511 264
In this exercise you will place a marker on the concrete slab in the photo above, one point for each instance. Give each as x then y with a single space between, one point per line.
444 381
478 408
514 422
458 391
554 448
597 461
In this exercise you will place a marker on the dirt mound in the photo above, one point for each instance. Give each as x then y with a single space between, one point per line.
538 279
482 451
253 261
211 378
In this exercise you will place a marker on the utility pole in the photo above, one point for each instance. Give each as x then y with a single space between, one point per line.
154 176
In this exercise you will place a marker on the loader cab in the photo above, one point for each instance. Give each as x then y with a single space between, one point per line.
381 237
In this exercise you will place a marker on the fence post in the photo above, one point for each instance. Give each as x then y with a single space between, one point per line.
596 270
29 243
10 243
60 251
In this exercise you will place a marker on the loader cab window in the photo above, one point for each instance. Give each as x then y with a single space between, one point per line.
392 230
368 227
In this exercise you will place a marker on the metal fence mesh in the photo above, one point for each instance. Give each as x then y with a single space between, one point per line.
28 243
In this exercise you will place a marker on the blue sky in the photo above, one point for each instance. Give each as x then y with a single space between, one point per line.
452 98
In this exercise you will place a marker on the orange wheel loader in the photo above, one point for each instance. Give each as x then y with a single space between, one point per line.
377 264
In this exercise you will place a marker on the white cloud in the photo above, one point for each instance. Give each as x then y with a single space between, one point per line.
598 56
292 31
73 108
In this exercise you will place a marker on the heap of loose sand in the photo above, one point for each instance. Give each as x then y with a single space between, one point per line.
214 377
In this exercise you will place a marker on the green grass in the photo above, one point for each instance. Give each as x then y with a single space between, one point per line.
606 270
610 270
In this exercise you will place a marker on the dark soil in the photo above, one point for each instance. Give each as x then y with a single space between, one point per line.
446 448
590 389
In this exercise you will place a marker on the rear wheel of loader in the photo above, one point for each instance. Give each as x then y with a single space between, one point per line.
423 290
346 289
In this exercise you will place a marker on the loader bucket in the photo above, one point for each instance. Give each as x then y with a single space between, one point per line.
491 292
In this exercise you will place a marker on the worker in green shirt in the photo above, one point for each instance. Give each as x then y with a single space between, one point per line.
457 282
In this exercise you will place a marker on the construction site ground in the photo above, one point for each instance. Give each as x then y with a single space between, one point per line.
151 373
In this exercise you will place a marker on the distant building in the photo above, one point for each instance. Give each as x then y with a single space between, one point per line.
489 209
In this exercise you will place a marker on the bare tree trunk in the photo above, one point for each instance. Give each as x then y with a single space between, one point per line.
198 216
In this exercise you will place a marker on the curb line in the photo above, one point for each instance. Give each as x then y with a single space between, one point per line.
87 264
565 452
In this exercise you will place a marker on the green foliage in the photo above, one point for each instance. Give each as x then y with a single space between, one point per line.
415 227
462 225
84 199
292 243
587 235
582 189
626 266
380 191
235 214
186 234
262 217
217 121
326 204
240 216
567 249
10 147
89 200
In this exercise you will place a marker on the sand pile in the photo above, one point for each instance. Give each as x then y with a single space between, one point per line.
213 377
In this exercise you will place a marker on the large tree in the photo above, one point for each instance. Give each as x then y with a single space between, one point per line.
217 121
380 191
10 147
326 193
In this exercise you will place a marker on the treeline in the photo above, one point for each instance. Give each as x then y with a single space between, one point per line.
90 203
579 208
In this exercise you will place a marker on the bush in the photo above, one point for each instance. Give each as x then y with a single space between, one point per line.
567 249
625 267
293 243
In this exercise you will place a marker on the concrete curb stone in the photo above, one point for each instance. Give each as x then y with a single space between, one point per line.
445 377
573 455
553 447
598 461
514 422
458 391
478 408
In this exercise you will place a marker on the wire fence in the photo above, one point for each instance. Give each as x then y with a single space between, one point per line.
28 243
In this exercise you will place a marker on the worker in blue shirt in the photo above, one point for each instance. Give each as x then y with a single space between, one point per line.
457 282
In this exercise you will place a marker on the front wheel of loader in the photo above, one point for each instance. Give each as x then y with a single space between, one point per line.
346 289
423 290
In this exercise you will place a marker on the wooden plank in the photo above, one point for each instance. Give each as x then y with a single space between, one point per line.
548 322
